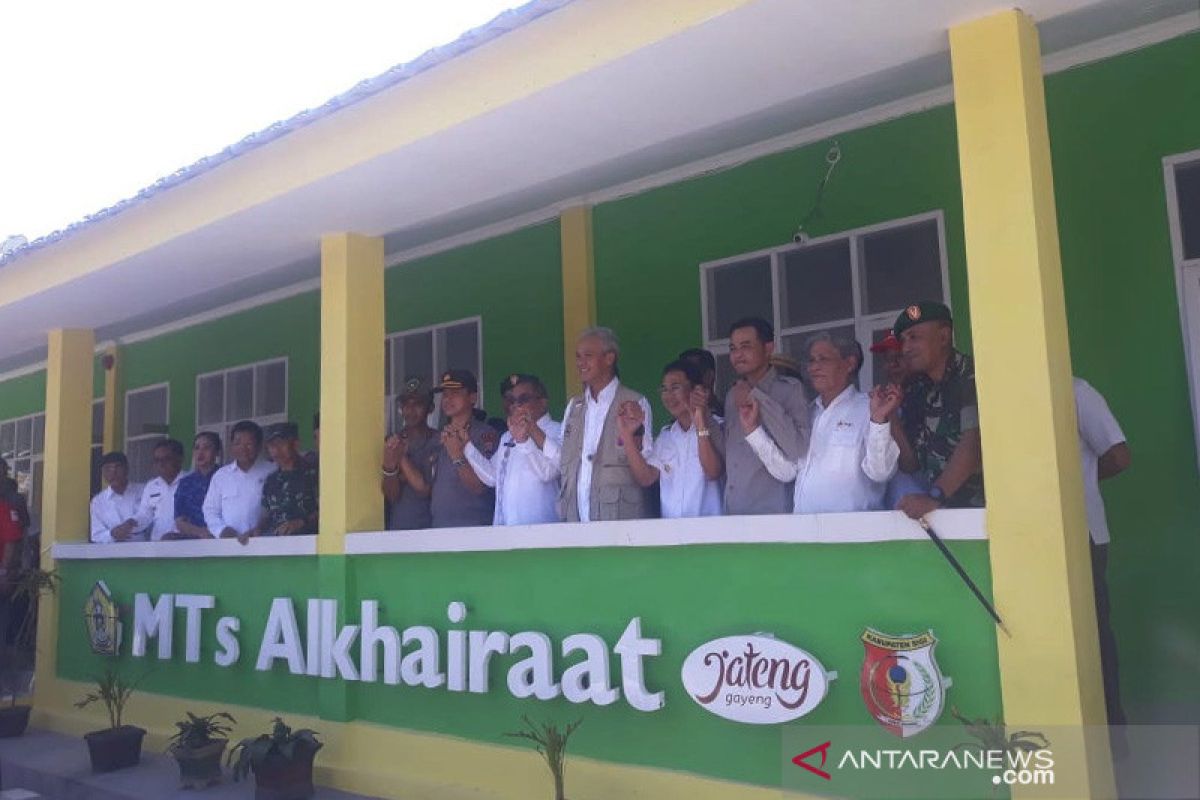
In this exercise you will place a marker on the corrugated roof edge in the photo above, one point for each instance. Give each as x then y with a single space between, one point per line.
503 23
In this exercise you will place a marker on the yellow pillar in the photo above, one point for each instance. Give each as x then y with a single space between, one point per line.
579 284
1049 668
352 391
66 480
114 407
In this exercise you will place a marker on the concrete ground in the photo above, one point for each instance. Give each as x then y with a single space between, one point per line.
48 765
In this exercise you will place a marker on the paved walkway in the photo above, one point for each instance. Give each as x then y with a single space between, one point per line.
52 766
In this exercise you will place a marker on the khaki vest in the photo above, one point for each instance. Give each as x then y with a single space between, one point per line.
614 494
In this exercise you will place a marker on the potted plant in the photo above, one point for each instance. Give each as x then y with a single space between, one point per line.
282 762
197 747
19 609
117 746
551 742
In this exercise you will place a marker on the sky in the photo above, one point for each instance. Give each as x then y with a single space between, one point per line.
100 99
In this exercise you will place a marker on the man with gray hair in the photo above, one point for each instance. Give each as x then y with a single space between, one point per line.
851 454
597 483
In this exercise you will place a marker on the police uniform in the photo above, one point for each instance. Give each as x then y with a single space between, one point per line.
452 504
783 411
410 511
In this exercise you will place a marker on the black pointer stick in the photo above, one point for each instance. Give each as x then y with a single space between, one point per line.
962 573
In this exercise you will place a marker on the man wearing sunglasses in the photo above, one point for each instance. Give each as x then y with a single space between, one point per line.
526 485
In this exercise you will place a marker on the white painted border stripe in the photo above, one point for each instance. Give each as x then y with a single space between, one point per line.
855 528
190 548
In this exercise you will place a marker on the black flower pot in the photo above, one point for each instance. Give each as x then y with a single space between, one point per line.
201 766
115 748
13 720
279 778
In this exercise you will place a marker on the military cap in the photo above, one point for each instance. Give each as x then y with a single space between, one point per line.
888 344
923 311
281 430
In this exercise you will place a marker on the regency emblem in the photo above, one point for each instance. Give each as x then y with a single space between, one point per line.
103 620
900 681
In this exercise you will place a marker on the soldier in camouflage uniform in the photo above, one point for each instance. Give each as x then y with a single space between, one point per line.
289 498
939 436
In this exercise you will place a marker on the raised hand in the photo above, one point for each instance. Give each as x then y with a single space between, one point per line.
885 399
454 439
518 426
748 413
698 401
630 417
394 448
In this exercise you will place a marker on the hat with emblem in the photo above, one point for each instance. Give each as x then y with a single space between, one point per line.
414 388
457 379
281 430
924 311
888 344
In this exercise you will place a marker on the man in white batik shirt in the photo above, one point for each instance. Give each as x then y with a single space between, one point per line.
526 483
851 454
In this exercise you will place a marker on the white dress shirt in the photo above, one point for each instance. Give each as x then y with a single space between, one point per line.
1099 432
234 498
526 485
110 509
157 509
849 462
682 486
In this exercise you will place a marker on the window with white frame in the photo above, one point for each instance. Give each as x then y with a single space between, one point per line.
425 353
256 392
1182 178
22 445
855 282
147 416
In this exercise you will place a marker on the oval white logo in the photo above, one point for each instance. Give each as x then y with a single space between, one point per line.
755 679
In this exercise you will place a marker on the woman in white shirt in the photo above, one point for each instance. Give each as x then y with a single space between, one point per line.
851 455
687 458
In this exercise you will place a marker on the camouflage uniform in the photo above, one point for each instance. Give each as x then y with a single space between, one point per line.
935 417
288 495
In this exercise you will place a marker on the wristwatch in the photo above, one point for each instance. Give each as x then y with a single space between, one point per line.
458 462
937 494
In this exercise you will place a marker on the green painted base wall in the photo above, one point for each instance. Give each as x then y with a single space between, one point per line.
818 597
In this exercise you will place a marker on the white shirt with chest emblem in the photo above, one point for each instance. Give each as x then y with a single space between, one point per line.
157 509
849 462
234 498
683 488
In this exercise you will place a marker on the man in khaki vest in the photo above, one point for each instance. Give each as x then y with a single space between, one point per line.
597 483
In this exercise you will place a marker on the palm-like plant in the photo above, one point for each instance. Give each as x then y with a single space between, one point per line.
28 586
113 691
552 744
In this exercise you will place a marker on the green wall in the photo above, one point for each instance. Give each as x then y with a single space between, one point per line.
23 395
289 328
514 282
1111 125
819 597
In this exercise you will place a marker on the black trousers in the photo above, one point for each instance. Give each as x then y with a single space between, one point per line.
1108 641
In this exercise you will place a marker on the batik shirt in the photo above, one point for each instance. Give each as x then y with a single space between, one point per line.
288 495
935 417
190 494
